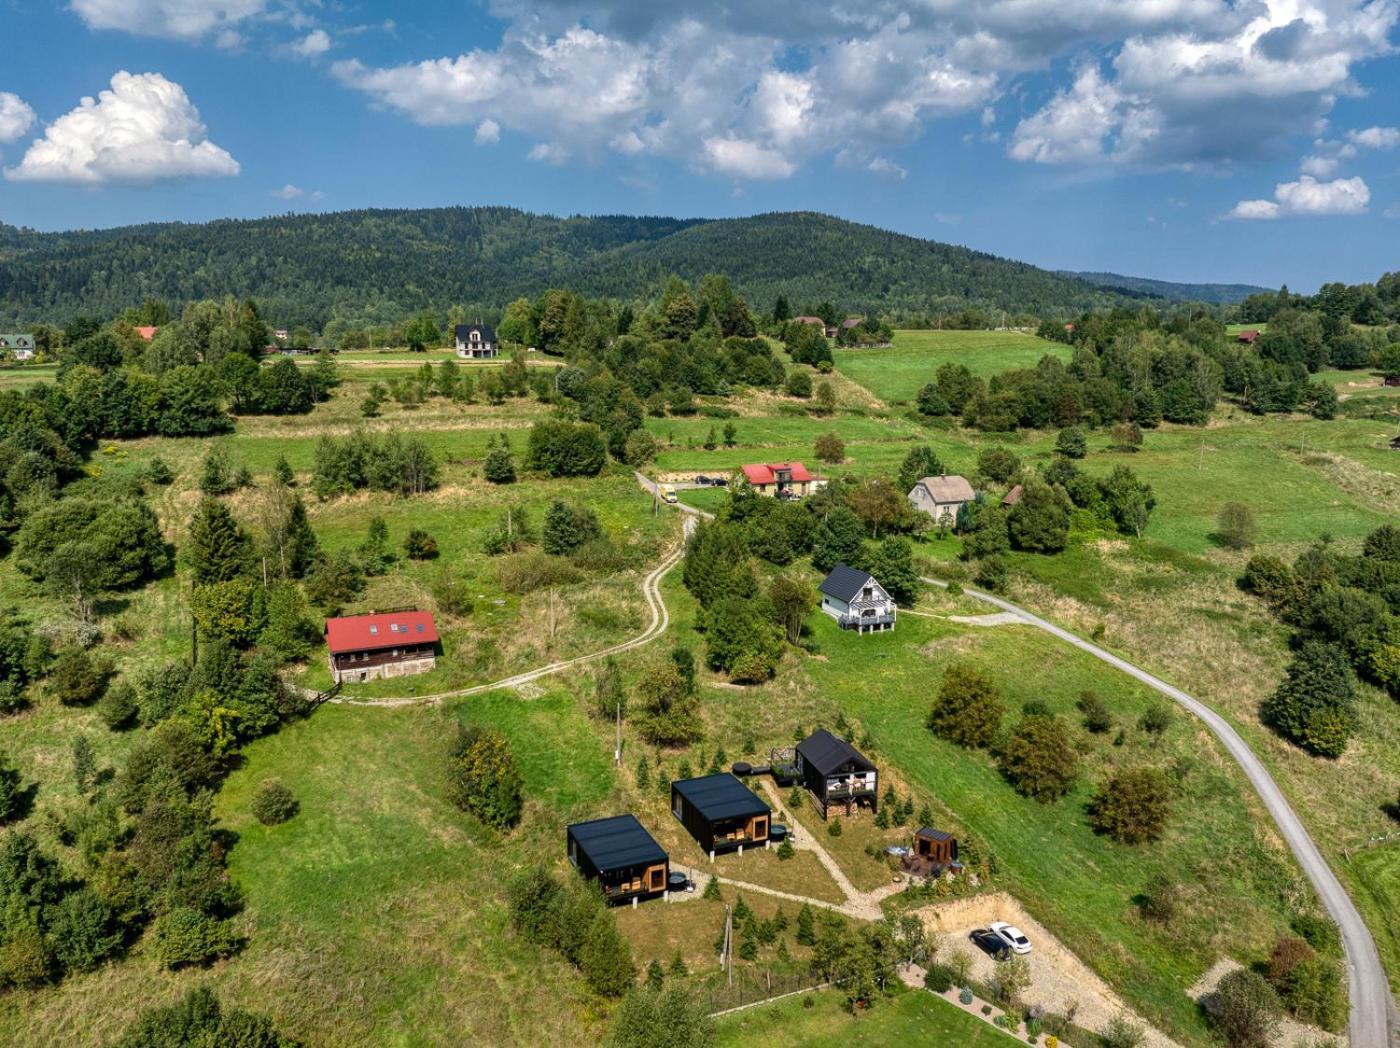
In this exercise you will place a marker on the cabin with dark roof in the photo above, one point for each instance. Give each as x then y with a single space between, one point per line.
720 812
621 856
856 601
476 341
386 644
935 852
835 773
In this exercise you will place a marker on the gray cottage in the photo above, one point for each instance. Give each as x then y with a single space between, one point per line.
856 601
476 341
941 497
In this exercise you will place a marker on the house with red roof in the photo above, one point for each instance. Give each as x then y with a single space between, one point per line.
784 480
146 331
381 644
1247 337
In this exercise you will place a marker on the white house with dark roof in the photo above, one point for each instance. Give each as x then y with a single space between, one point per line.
856 601
476 341
20 346
942 497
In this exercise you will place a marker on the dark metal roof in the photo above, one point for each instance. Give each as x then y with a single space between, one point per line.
934 835
617 842
825 752
463 331
720 796
844 582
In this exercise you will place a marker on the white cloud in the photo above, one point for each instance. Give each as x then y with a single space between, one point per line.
1309 196
143 129
173 19
488 133
548 153
16 118
1375 137
313 44
1319 166
764 87
288 192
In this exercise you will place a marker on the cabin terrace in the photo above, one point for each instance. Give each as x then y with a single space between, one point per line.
836 774
383 644
856 601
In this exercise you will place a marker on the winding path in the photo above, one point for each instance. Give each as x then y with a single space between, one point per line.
660 619
1374 1020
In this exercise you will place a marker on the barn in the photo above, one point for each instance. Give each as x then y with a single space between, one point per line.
621 856
720 812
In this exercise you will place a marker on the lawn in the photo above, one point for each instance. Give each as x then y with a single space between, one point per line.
896 374
1376 874
911 1017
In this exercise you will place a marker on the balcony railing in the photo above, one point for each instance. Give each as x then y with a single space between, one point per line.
852 621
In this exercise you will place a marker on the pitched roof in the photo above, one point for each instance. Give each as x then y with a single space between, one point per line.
147 331
844 582
851 322
1247 336
616 842
1013 496
17 341
387 630
464 332
809 320
934 835
949 488
766 472
720 796
825 752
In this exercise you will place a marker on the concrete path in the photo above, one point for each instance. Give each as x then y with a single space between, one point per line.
1374 1021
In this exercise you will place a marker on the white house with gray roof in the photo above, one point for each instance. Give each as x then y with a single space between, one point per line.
856 601
942 497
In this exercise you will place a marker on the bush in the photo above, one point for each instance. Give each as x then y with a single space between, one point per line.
1156 719
830 448
1160 899
1320 933
969 707
1097 718
786 850
1244 1009
1071 443
12 795
419 545
451 594
76 678
199 1019
1314 706
938 978
117 707
965 996
1122 1032
185 936
83 930
1133 806
483 776
833 828
1038 758
273 803
992 573
1235 527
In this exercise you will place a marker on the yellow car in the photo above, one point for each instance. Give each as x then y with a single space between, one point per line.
668 493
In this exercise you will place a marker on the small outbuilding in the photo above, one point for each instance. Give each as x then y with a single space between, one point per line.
720 812
1013 496
621 856
1247 337
935 852
384 644
835 773
856 601
942 497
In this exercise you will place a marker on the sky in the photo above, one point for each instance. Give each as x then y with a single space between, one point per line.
1199 140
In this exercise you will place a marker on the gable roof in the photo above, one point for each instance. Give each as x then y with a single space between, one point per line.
1246 336
1013 496
766 472
809 320
373 632
825 752
851 322
463 332
720 796
844 582
616 842
147 331
17 341
948 487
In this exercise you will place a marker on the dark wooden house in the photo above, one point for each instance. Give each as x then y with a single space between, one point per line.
621 856
385 644
934 853
836 774
720 812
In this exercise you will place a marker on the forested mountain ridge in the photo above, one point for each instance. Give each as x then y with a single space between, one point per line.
380 265
1218 294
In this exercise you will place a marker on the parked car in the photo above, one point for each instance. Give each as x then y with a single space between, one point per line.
668 493
703 480
720 482
989 942
1012 936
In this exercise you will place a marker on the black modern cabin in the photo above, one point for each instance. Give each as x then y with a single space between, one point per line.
836 774
621 856
720 812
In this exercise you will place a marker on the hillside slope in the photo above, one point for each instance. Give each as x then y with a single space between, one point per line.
382 265
1220 294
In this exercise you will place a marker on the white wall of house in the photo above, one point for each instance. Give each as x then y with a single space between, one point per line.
925 502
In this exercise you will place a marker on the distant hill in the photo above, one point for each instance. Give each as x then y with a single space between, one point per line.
383 265
1219 294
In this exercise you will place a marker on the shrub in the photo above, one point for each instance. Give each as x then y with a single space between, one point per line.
1244 1009
1071 443
1122 1032
1133 806
199 1019
1235 527
833 828
1156 719
451 594
273 802
76 678
992 574
605 958
830 448
117 707
969 707
483 776
1038 759
1097 718
11 794
786 850
1314 706
938 978
1268 578
419 545
965 995
185 936
1160 899
83 930
986 1009
1321 933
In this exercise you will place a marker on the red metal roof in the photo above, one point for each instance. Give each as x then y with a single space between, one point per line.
1247 336
373 632
766 472
147 332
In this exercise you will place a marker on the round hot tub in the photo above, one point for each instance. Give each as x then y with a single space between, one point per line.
777 832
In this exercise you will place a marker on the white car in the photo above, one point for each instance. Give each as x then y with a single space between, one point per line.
1014 938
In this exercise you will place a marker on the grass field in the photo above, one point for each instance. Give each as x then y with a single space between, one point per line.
913 1017
897 373
1375 873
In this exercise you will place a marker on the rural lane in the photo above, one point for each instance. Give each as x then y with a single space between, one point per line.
1374 1020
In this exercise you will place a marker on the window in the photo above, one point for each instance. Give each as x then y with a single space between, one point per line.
373 630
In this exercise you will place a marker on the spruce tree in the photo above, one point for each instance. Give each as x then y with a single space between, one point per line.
302 547
218 549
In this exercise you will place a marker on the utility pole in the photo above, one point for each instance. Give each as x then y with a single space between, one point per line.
617 750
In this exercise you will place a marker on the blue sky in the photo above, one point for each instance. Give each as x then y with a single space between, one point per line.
1184 139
